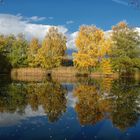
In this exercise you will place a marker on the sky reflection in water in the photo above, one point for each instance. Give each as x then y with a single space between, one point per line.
100 109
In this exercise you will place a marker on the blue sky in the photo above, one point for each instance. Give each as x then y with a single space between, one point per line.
73 13
33 18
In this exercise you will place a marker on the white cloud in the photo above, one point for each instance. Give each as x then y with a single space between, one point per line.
109 32
9 119
11 24
121 2
71 99
36 18
50 18
30 19
138 30
69 22
71 41
15 24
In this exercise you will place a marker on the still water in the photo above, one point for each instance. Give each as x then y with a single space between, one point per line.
63 109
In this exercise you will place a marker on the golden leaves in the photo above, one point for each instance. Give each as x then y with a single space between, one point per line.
92 47
53 49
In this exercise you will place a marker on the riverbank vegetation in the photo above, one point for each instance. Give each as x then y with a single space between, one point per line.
115 52
120 52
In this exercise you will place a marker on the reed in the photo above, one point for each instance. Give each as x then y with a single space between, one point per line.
28 74
64 71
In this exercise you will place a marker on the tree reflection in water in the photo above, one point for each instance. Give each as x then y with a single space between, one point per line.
114 99
125 105
91 106
117 100
50 95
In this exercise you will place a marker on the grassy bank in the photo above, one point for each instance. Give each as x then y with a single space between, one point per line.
64 71
100 75
62 74
37 74
28 74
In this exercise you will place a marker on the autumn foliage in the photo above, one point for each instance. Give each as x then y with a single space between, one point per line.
92 48
117 52
97 51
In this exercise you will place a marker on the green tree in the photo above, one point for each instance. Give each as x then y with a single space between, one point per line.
18 52
6 43
5 49
2 43
5 66
126 49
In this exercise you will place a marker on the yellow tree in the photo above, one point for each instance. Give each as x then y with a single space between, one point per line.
106 66
92 46
53 49
32 52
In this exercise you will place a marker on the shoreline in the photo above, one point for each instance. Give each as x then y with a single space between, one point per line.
60 71
57 74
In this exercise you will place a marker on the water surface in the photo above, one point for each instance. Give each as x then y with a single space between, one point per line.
84 109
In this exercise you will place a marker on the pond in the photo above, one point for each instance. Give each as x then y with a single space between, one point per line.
79 109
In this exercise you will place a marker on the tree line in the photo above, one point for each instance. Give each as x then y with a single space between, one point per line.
115 51
46 54
118 50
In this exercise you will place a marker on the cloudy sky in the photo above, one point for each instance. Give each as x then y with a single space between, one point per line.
34 17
